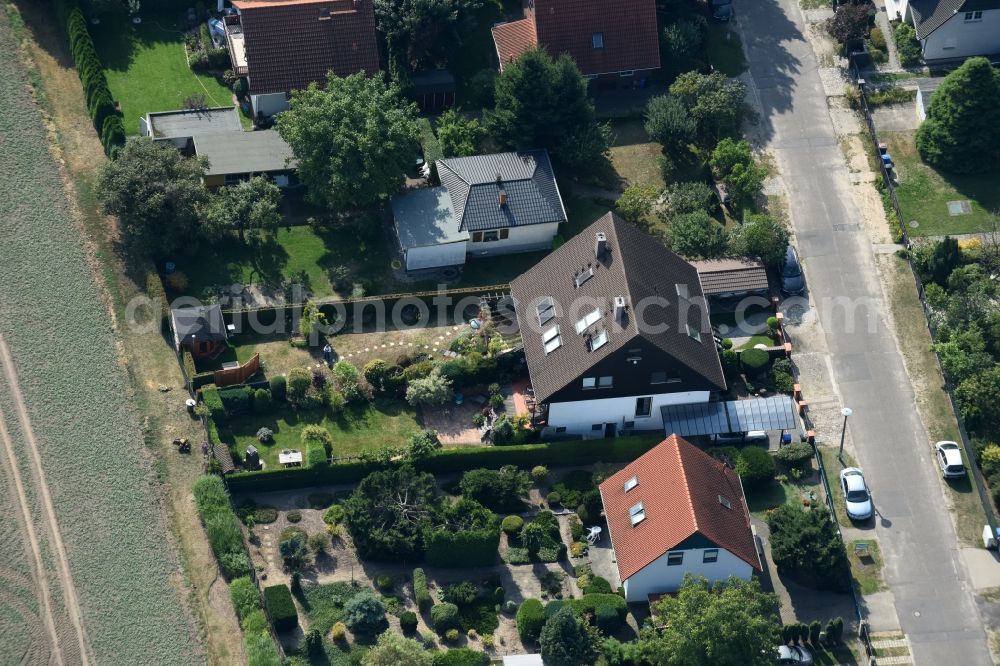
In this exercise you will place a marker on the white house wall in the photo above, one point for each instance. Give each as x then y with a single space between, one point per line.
579 417
269 104
657 577
435 256
959 38
528 238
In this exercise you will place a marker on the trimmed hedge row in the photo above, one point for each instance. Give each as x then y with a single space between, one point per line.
100 105
213 400
222 526
472 548
280 607
420 592
444 461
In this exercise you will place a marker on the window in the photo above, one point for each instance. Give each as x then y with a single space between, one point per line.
589 382
598 341
477 236
694 333
504 234
637 514
546 310
606 382
710 555
724 501
583 277
682 290
560 430
490 236
587 320
631 483
627 73
597 39
662 378
597 426
643 407
551 340
974 16
675 559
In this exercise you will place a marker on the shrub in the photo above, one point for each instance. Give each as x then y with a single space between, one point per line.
730 362
552 498
221 526
461 594
238 400
265 435
512 525
333 515
796 455
530 620
598 585
280 607
434 389
807 543
784 382
462 657
500 490
245 596
907 45
539 474
338 632
755 467
835 630
814 630
298 382
293 516
316 455
255 622
212 400
408 622
384 582
318 542
754 361
278 388
444 616
261 401
451 636
364 613
420 592
294 549
314 434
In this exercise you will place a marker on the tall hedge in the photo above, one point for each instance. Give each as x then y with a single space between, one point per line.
280 607
530 619
420 592
213 400
100 104
222 526
471 548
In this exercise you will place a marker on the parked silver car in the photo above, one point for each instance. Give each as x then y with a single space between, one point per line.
794 654
949 457
856 495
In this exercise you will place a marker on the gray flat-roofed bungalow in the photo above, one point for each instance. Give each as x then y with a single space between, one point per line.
426 229
180 126
236 156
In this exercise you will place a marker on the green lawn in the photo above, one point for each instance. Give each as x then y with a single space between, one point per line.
924 193
757 340
147 68
725 50
833 466
635 157
867 571
364 428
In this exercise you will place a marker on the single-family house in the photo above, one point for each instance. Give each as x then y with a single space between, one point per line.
676 510
486 205
952 28
200 330
613 43
284 45
614 327
217 135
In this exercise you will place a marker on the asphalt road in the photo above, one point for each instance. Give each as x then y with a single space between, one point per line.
934 603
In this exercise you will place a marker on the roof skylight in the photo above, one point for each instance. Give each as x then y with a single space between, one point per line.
587 320
583 277
551 340
598 340
631 483
637 513
546 310
724 501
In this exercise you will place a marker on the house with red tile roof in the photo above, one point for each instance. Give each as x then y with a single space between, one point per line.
284 45
614 42
676 510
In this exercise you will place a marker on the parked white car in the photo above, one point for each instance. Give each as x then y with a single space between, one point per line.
856 495
949 457
795 655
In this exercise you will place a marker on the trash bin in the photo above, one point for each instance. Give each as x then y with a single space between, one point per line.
190 403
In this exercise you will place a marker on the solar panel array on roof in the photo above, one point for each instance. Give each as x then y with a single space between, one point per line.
710 418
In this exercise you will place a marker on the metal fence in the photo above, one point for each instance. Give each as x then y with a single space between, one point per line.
890 187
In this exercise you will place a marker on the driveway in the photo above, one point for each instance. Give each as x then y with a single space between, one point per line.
933 599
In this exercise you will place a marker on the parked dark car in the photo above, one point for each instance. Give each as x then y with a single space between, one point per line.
792 281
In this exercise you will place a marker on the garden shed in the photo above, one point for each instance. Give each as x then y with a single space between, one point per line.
200 330
433 90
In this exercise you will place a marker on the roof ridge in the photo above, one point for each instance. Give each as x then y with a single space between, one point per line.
633 320
684 477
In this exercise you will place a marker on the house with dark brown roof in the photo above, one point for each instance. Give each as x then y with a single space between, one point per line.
613 42
723 278
676 510
284 45
614 327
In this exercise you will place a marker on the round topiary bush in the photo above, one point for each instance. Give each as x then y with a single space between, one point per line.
727 343
754 361
512 525
384 582
364 614
530 619
444 616
294 516
278 388
408 621
755 467
552 498
338 632
334 515
539 473
772 323
264 514
796 455
451 636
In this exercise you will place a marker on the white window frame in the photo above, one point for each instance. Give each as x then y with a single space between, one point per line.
649 402
588 320
598 340
491 236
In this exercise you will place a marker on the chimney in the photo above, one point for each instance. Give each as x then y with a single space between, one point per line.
502 199
619 312
600 244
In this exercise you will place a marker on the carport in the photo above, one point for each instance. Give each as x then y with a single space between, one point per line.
711 418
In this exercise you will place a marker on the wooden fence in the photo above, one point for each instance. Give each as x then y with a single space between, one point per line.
232 376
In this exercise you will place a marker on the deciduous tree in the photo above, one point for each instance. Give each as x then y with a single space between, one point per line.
714 101
459 136
250 204
761 237
353 139
394 649
669 123
695 235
